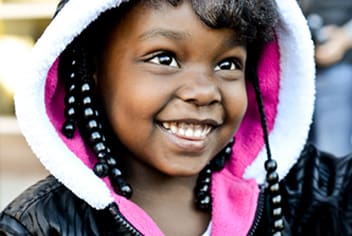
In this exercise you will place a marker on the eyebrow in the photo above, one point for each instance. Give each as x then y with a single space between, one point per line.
160 32
234 42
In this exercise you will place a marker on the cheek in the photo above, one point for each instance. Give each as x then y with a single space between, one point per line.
236 103
131 102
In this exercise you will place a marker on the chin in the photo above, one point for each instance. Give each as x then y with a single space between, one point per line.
184 172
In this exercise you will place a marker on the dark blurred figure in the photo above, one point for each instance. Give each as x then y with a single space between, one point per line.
331 25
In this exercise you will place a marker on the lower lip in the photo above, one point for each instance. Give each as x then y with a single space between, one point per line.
188 145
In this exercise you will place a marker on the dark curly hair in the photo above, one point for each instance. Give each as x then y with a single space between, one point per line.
253 20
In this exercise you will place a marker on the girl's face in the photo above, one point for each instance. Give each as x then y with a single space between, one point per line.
173 88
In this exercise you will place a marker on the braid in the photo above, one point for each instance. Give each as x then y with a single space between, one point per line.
272 177
261 109
76 68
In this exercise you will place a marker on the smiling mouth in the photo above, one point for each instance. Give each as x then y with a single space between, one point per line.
188 130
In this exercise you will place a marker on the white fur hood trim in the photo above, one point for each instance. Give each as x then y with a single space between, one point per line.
297 91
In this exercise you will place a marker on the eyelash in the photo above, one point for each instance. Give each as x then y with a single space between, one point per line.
169 59
164 58
234 63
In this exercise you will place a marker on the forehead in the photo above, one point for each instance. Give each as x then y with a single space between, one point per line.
150 20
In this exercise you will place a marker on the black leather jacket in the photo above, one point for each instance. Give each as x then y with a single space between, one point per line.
317 196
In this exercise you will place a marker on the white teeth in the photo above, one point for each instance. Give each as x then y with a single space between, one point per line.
187 130
172 126
166 125
198 133
182 131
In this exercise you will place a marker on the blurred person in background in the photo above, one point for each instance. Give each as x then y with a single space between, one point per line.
331 25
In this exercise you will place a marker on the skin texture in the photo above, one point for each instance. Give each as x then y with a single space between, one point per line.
164 65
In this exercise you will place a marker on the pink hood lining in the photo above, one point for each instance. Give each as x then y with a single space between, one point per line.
233 196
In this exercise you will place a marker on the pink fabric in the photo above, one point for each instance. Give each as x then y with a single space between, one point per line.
249 138
234 199
234 204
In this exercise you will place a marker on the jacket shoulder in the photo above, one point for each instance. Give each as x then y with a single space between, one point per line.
32 196
317 194
45 209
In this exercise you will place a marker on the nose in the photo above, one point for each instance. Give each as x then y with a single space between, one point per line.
200 89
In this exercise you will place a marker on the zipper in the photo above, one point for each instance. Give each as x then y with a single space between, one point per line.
259 212
122 221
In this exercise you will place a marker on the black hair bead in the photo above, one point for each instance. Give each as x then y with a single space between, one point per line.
204 204
70 112
99 147
102 155
279 224
95 137
88 113
218 163
92 124
68 129
206 180
87 100
205 200
111 161
275 188
115 173
276 200
270 165
101 169
122 188
204 188
228 150
126 190
277 212
72 88
70 99
86 87
272 177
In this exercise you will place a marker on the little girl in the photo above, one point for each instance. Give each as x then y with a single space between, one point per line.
154 117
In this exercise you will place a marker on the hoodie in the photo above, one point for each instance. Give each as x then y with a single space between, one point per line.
286 76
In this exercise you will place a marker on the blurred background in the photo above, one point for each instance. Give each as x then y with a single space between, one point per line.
21 23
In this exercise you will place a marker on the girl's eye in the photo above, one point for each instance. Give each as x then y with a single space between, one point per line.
229 64
164 58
